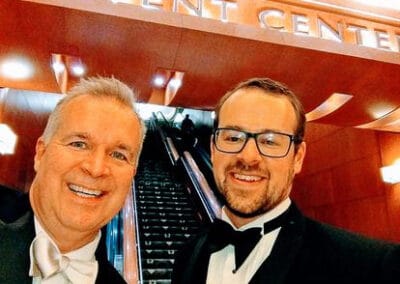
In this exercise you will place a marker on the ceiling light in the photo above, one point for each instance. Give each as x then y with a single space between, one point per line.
17 68
78 69
159 81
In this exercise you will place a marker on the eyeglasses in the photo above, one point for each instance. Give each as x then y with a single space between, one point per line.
270 143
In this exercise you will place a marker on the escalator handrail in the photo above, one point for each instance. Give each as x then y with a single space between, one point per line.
209 201
166 141
131 241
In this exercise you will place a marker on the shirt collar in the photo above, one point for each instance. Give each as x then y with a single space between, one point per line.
86 252
259 222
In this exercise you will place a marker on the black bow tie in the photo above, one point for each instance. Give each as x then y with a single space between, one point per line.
222 234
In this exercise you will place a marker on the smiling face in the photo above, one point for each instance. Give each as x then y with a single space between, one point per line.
85 170
253 184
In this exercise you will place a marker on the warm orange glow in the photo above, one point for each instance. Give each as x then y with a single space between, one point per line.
388 122
391 174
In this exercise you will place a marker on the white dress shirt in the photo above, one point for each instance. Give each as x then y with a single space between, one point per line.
85 253
222 263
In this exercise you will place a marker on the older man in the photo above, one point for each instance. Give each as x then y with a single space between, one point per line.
85 162
257 148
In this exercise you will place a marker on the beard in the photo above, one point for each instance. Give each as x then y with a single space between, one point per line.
249 204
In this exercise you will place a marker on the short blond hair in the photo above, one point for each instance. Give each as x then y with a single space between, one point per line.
100 87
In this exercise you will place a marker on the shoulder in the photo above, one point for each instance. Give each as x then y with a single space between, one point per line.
392 266
343 239
13 204
328 252
343 249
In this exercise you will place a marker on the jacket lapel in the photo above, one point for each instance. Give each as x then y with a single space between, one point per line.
276 267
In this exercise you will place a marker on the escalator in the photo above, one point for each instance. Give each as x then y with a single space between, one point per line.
165 212
169 201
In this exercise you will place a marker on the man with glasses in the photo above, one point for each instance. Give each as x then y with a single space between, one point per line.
257 148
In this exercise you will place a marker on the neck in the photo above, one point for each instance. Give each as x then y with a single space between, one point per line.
67 240
73 241
237 220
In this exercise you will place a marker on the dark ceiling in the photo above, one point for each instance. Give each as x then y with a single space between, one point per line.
134 49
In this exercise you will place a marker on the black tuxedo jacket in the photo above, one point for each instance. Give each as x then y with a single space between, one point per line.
18 272
305 252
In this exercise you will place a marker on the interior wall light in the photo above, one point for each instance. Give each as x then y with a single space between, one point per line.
8 140
391 174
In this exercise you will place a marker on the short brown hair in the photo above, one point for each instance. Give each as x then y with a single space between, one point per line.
274 87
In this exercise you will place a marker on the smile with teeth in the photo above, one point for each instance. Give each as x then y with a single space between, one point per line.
84 192
246 177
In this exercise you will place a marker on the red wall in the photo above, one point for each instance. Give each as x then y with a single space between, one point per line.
340 183
26 114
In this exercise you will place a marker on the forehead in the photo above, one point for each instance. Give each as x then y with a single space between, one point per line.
100 117
256 110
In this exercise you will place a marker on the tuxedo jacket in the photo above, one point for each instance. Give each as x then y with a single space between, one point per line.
305 251
14 251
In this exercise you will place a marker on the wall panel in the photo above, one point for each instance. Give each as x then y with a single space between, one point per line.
340 183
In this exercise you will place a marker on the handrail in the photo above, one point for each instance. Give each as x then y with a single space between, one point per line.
172 152
163 117
209 201
157 127
167 142
132 267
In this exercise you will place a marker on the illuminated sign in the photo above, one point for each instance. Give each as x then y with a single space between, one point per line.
289 16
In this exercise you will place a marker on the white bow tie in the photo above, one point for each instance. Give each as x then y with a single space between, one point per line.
48 261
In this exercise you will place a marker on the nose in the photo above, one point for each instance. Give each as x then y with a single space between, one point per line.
95 164
250 154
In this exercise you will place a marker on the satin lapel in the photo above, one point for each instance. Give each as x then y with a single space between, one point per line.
276 267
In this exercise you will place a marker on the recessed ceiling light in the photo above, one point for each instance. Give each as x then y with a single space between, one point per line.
78 69
16 68
159 81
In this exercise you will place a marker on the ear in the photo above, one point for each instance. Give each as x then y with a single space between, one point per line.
212 147
299 157
40 149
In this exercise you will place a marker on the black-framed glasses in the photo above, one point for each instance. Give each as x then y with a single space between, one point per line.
269 143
